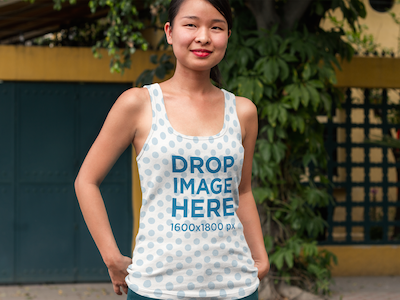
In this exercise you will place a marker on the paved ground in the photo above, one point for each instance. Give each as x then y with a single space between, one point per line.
366 288
345 288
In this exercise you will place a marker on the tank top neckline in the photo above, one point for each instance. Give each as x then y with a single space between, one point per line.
192 137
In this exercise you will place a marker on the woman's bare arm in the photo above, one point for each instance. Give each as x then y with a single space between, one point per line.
247 211
118 132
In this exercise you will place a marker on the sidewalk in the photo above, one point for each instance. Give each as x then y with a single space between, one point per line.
345 288
366 288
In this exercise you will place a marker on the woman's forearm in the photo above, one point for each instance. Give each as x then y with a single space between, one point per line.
96 218
250 220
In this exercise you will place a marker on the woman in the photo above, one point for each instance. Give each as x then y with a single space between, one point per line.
200 235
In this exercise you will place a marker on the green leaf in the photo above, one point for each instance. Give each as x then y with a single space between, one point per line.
305 96
289 258
314 96
271 70
284 69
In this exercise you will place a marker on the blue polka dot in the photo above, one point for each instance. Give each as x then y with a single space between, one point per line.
227 271
152 220
140 249
211 139
248 282
181 151
134 287
149 270
188 247
244 269
188 146
160 240
241 292
163 136
160 216
200 279
164 149
169 246
238 276
170 272
196 241
150 257
204 146
158 107
189 272
211 285
206 247
220 278
179 253
215 252
202 293
170 130
181 294
170 259
190 286
187 235
169 234
213 240
198 266
179 266
159 278
157 293
169 286
179 138
154 141
234 263
172 144
231 285
146 160
148 172
197 152
155 92
155 155
161 122
139 262
225 258
209 272
159 265
152 233
178 241
217 265
227 118
197 253
207 259
137 274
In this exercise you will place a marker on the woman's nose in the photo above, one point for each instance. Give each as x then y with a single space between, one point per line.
203 36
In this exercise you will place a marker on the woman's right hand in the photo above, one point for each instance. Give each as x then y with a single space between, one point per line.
117 269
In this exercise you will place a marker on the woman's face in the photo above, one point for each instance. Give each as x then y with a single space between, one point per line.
199 35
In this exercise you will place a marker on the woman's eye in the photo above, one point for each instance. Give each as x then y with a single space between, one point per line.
190 25
217 28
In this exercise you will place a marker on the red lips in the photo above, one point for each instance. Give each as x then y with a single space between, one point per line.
201 52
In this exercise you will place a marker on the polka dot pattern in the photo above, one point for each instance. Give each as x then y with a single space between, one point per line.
190 243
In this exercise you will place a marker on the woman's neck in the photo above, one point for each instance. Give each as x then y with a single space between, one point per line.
192 81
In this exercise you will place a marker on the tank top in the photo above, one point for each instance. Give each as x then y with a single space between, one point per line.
190 243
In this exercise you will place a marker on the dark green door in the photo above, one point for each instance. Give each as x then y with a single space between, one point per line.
46 130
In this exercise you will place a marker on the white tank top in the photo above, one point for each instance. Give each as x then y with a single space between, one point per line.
190 243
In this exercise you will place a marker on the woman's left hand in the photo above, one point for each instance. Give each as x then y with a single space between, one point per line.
263 268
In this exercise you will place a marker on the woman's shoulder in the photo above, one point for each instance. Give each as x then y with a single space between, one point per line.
245 107
133 100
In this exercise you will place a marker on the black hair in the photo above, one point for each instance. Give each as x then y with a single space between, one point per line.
225 10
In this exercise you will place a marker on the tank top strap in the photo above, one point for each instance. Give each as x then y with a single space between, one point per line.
231 117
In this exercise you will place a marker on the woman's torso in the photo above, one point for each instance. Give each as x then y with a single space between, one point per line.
190 242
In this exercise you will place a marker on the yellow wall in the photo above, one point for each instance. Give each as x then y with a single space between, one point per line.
65 64
366 260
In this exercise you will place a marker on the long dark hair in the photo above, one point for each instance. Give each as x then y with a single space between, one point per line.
225 10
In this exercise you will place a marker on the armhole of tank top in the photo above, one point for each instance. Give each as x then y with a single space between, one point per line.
153 121
236 117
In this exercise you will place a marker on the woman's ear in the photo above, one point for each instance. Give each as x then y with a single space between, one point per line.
168 32
229 33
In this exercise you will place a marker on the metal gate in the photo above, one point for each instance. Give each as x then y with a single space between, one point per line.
365 174
46 130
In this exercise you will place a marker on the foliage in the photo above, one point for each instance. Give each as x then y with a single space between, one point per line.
290 77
